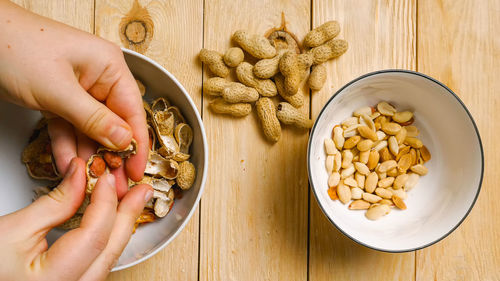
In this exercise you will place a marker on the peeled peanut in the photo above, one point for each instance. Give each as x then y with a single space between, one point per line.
412 131
419 169
386 109
368 133
362 110
391 128
386 182
402 117
400 181
349 121
361 168
289 115
359 205
338 137
360 179
330 148
399 202
378 211
424 152
411 182
384 193
371 182
356 193
373 159
351 142
392 142
413 142
364 145
387 165
364 156
372 198
344 192
347 157
329 164
351 182
334 179
401 135
347 172
337 162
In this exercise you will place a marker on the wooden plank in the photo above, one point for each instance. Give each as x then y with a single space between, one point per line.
381 34
79 14
173 38
458 45
254 210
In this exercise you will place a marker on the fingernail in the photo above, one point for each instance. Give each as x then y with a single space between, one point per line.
111 179
72 168
119 136
148 195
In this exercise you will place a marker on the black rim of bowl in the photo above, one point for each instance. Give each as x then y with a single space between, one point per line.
471 119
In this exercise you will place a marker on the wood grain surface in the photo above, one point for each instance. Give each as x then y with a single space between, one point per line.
257 219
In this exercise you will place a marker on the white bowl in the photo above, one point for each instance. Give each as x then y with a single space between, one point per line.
16 190
443 198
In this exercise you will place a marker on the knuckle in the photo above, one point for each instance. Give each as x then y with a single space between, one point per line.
97 241
93 123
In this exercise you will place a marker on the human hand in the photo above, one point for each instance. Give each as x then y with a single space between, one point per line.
80 82
86 253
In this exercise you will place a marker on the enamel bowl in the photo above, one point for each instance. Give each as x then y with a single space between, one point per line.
16 191
442 198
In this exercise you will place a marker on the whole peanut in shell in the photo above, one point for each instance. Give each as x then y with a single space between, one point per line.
237 92
220 106
214 62
296 100
289 115
256 45
290 69
321 34
331 49
317 78
265 87
233 57
267 68
267 115
214 86
186 176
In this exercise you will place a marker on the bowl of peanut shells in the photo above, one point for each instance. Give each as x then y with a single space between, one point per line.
176 167
395 160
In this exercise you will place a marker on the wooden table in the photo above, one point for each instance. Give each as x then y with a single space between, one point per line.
258 219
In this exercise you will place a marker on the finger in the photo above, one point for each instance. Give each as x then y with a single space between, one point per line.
86 113
128 211
85 146
59 205
121 181
125 100
63 143
74 252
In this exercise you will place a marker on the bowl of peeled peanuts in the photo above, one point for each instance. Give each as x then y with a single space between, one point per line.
395 160
176 167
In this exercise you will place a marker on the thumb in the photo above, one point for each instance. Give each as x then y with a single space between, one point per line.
90 116
60 204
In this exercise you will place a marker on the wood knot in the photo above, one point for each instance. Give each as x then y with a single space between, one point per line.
136 28
135 32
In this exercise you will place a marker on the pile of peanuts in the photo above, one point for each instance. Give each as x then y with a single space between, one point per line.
280 70
374 158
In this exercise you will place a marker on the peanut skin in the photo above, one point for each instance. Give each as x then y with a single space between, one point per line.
234 109
98 167
321 34
256 45
290 69
289 115
330 50
296 100
113 160
238 92
317 78
214 86
265 87
233 57
267 115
